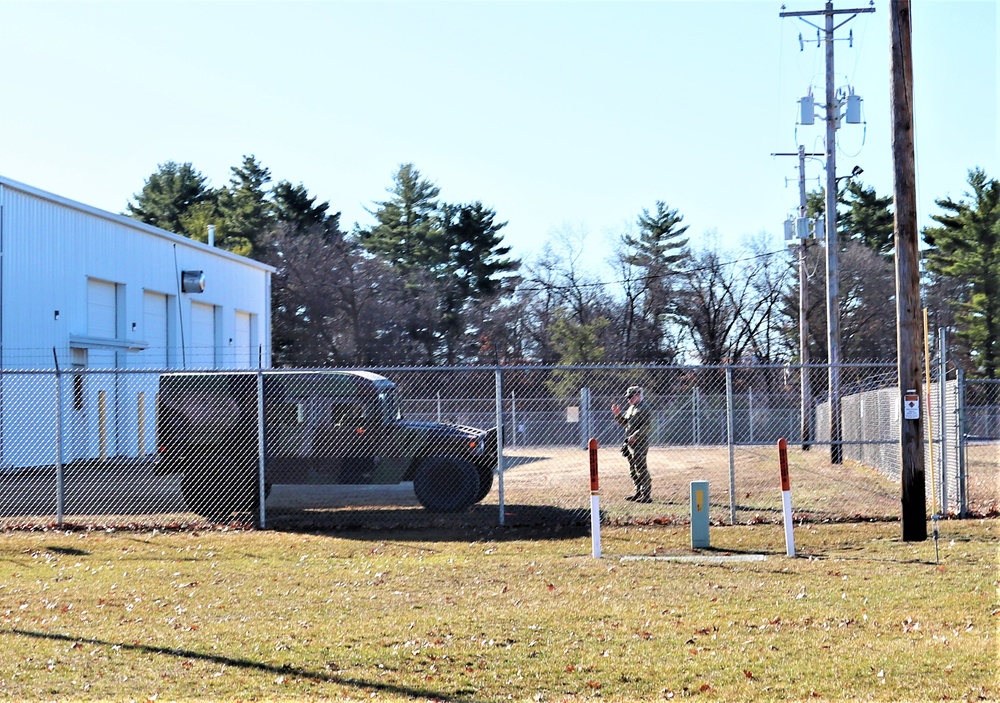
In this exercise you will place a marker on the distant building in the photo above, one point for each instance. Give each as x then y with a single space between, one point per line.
98 296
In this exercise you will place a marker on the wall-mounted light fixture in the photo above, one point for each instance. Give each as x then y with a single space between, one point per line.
192 281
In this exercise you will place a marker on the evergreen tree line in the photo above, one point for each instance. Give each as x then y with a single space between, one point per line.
432 282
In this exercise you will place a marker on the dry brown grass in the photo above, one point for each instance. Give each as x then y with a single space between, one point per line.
490 615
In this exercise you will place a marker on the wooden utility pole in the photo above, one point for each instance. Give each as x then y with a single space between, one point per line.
832 118
805 388
805 391
908 345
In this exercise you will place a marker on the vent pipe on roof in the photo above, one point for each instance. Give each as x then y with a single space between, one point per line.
211 235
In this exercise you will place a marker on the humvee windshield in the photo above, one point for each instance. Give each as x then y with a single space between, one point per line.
350 413
388 400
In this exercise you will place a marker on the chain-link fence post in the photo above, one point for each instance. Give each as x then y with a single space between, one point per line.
60 484
731 440
963 489
805 407
261 491
513 420
696 415
498 383
584 417
943 414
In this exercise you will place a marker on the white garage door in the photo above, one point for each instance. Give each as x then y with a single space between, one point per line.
154 320
203 327
102 309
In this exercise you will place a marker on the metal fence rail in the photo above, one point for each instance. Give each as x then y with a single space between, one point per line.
334 449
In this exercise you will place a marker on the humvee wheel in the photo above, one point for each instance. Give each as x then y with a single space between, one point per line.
485 483
446 484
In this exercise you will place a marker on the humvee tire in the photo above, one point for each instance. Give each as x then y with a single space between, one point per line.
446 484
485 483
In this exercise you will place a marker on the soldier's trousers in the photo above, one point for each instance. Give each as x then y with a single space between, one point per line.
639 471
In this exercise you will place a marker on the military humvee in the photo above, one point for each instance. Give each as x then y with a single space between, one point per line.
319 427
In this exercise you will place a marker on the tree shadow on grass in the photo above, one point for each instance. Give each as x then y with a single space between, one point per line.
284 670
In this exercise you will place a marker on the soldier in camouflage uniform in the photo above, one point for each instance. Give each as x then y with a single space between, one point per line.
637 422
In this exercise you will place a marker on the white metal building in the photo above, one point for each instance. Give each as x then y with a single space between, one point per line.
98 295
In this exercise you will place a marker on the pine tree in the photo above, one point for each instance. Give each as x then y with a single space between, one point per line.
575 344
867 295
475 254
455 253
965 250
408 233
655 255
474 268
292 205
868 218
168 195
245 207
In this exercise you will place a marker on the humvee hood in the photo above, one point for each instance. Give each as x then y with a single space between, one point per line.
443 429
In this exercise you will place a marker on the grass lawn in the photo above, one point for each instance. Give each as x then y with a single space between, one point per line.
500 614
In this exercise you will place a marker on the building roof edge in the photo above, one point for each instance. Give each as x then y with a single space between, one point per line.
129 222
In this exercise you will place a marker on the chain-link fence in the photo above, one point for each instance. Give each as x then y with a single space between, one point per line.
978 408
414 447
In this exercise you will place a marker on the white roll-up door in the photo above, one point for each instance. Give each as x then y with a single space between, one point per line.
102 309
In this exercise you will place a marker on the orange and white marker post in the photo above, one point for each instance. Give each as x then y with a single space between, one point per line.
595 501
786 497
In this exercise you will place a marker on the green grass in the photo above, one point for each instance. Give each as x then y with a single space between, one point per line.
500 614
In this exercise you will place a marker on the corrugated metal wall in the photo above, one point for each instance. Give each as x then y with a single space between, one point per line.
81 287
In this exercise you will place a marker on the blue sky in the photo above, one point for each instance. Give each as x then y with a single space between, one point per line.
562 116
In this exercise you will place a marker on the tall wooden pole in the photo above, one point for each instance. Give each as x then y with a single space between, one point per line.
805 390
805 385
832 249
908 340
833 105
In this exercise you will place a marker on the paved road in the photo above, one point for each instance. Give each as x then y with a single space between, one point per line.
130 487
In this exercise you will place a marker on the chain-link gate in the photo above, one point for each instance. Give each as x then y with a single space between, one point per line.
414 447
978 460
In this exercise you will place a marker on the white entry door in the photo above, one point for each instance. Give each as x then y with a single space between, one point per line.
203 337
243 351
154 321
100 393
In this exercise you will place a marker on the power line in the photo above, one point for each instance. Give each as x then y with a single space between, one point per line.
620 282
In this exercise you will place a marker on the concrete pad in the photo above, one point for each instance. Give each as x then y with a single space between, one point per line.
701 558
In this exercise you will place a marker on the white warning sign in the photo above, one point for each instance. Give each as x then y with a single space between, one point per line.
911 405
